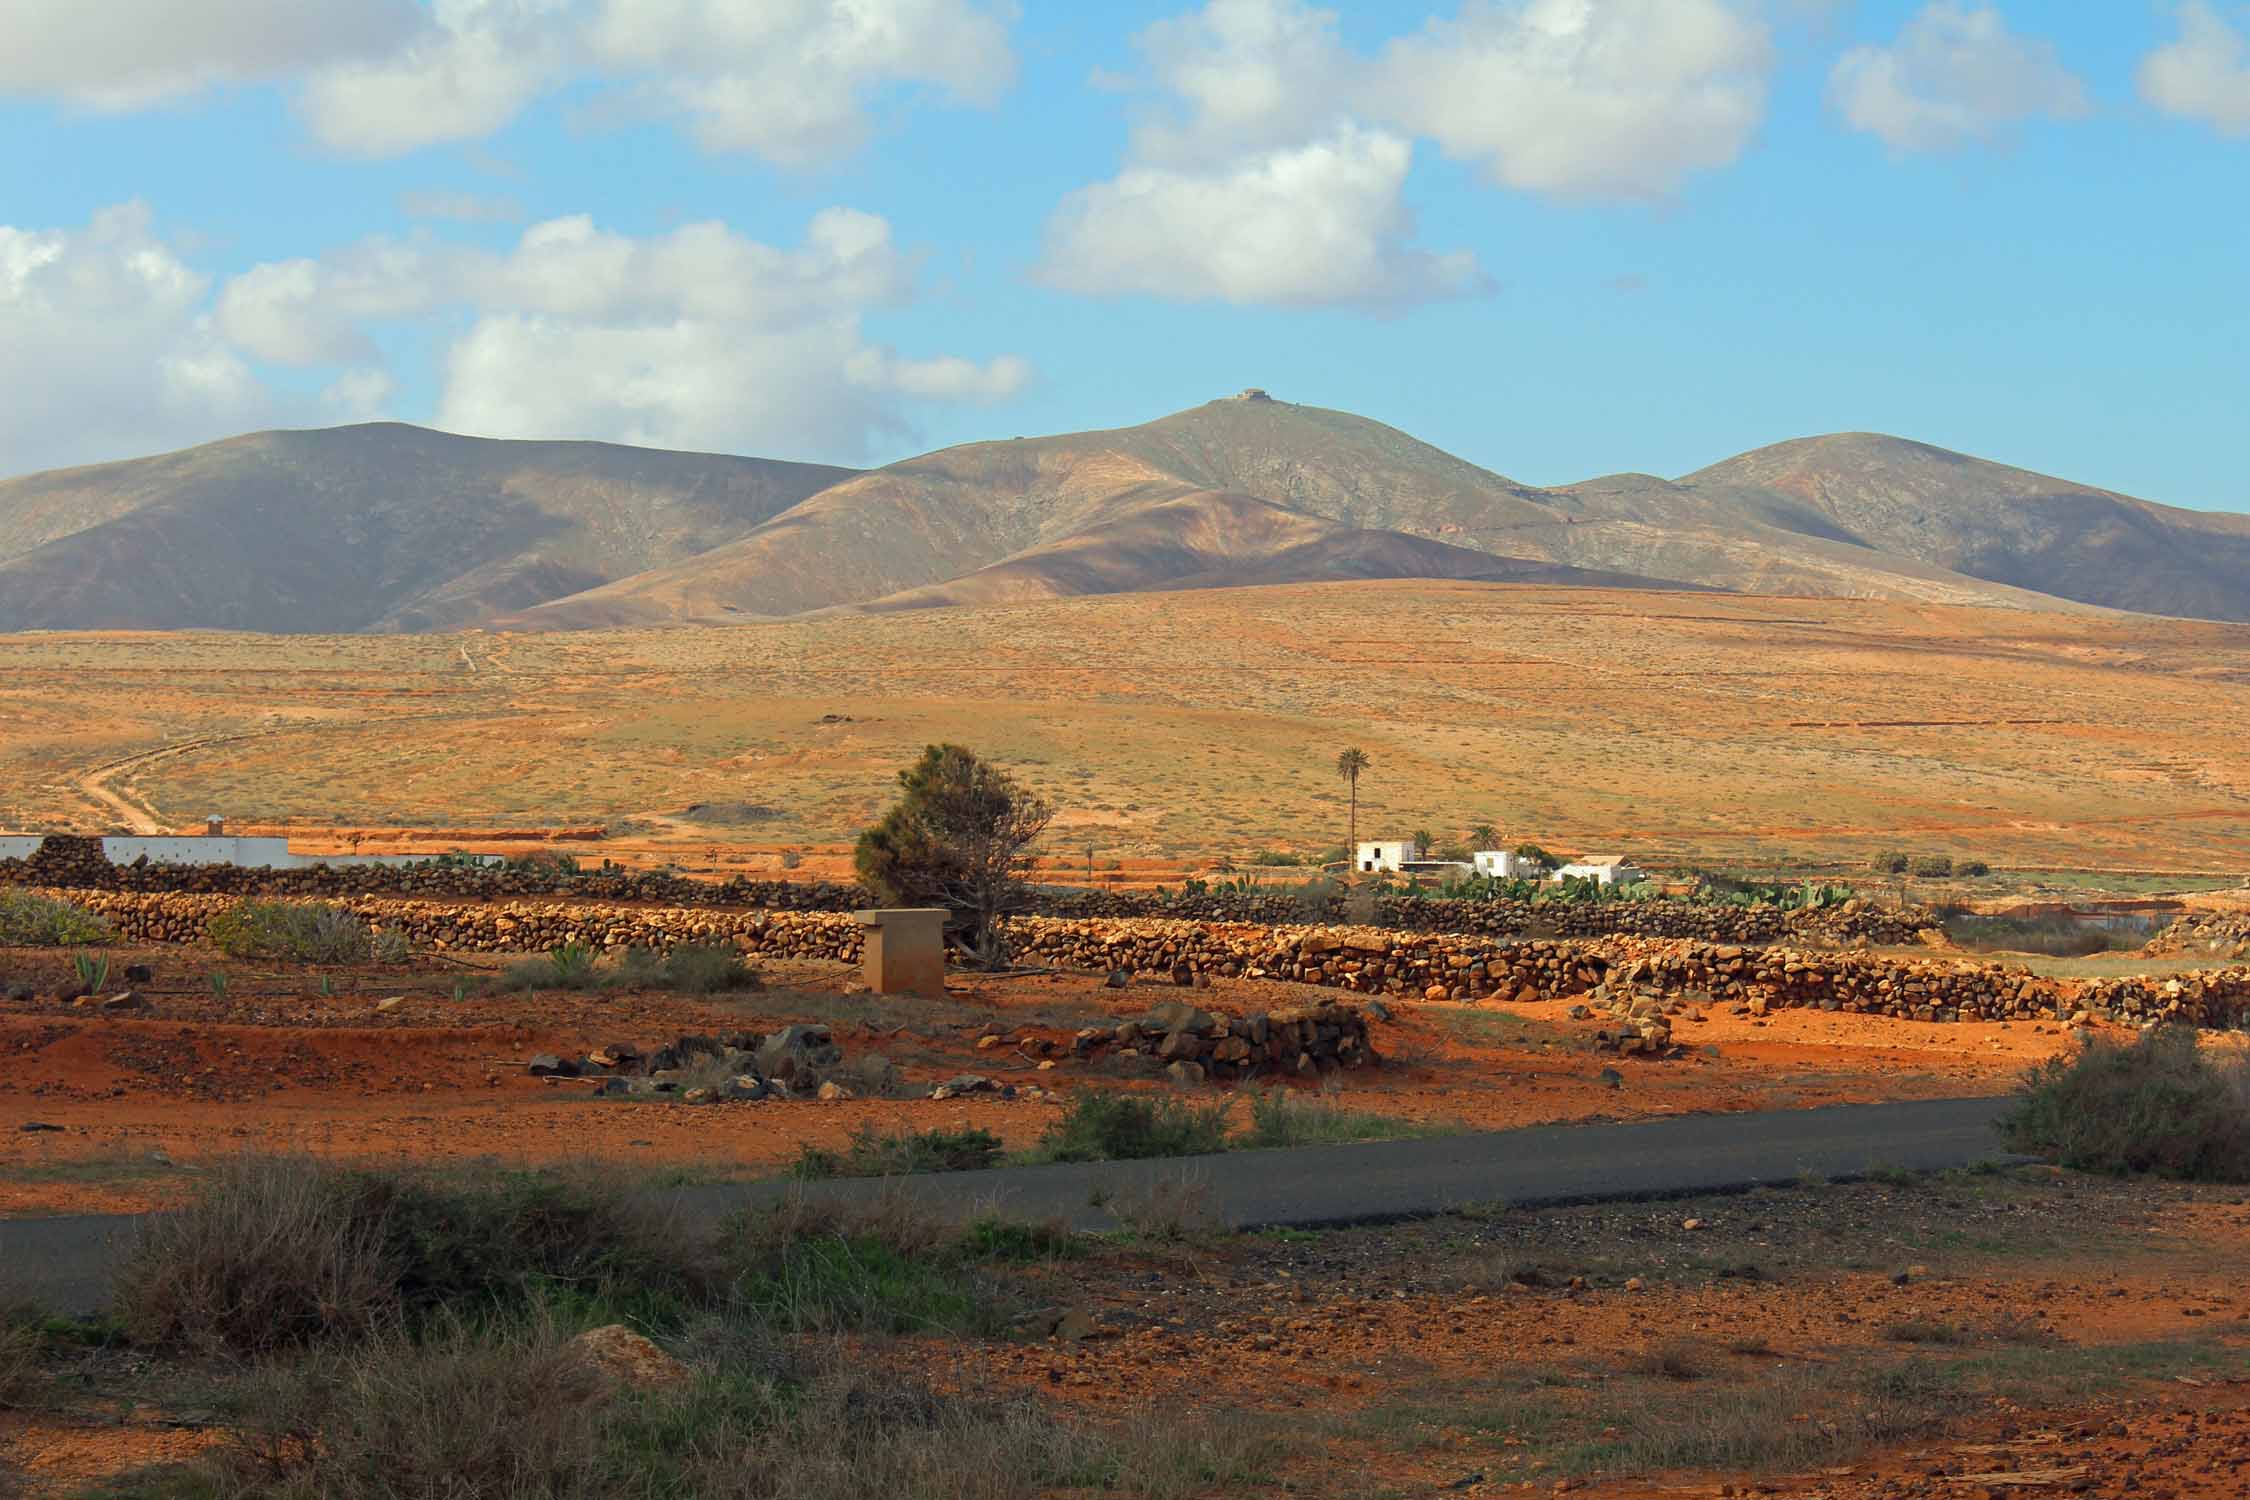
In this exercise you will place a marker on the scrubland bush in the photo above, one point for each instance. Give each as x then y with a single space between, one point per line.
2162 1104
1933 867
30 920
313 932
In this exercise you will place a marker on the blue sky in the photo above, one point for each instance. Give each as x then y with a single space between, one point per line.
1557 237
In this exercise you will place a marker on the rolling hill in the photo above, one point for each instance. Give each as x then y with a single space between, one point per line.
375 527
385 528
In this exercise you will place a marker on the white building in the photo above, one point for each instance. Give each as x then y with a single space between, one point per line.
1505 864
1386 854
1603 869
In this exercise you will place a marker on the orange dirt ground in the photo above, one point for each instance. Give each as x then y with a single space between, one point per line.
1385 1351
428 1078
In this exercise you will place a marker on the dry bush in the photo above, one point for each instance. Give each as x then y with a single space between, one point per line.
2163 1104
279 1253
1170 1208
30 920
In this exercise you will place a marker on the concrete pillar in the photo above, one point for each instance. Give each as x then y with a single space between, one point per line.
903 949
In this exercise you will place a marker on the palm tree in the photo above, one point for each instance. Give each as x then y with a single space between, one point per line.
1485 836
1349 765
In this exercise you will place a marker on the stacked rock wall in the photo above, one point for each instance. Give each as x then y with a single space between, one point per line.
1368 961
79 863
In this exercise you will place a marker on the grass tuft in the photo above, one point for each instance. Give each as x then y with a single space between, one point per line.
312 932
877 1153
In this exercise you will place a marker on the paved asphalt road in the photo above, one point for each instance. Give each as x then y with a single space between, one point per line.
65 1263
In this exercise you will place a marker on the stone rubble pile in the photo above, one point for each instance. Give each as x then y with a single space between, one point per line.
2203 932
1358 960
695 1069
1194 1045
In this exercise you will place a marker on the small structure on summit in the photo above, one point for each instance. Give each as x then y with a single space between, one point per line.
1251 393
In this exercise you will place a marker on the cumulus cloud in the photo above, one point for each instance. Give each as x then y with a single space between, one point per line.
1956 75
794 81
128 54
1273 167
1245 75
464 75
106 348
1595 98
2203 73
789 79
699 338
1299 225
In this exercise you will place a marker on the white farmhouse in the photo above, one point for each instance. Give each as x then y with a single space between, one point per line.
1602 869
1505 864
1386 854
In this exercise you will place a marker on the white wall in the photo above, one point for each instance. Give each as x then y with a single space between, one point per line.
1385 854
1503 864
18 845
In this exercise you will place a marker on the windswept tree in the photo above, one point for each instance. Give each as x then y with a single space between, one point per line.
958 837
1350 764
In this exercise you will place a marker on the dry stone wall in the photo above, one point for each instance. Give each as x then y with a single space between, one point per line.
1364 960
79 863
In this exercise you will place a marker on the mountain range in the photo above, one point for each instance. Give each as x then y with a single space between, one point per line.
386 527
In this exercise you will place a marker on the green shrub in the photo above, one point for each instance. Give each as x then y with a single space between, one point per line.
312 932
1891 862
1933 867
877 1153
283 1253
30 920
1102 1126
2161 1105
1281 1118
1975 869
892 1266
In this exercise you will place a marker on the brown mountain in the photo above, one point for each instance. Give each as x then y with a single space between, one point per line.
385 527
948 514
1990 521
367 528
1216 539
1046 513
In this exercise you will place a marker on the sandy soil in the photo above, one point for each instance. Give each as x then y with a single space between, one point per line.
1184 727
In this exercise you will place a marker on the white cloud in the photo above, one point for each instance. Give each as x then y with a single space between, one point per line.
1252 75
789 79
1274 168
794 81
105 348
128 54
2203 74
1301 225
1602 98
1955 75
700 338
463 76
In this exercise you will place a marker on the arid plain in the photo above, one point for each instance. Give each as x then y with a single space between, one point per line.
1193 726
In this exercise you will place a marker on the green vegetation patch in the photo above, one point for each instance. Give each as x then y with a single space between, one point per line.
30 920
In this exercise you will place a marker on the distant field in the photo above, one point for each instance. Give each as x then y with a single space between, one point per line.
1719 729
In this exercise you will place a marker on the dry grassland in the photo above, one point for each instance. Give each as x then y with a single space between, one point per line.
1689 726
